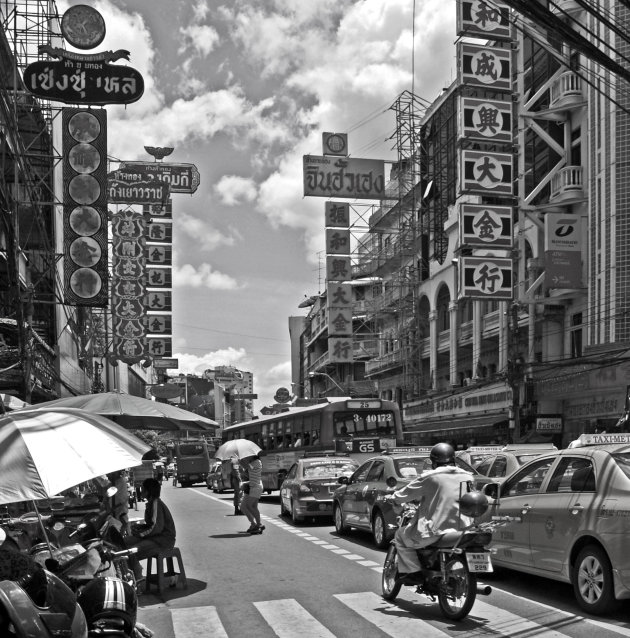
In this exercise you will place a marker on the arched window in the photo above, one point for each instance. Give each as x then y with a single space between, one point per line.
443 314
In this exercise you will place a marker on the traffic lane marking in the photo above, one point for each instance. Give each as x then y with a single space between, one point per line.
286 616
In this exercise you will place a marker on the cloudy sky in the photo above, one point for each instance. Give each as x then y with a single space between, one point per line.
243 89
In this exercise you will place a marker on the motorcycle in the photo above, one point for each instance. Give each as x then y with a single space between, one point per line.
35 603
451 564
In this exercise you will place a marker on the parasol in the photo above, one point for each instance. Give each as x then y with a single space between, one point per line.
135 413
43 452
239 448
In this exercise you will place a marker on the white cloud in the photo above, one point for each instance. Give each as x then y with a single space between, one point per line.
201 38
202 277
207 237
234 190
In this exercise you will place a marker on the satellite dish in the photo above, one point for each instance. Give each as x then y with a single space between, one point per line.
309 301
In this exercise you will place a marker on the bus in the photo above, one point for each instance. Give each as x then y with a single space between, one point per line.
360 428
193 461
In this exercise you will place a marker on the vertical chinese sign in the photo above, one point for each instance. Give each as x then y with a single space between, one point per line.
84 144
486 160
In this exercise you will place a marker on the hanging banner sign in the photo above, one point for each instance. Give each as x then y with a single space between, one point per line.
337 215
337 241
157 255
159 324
485 120
123 192
160 232
83 82
339 295
486 66
563 251
486 277
339 321
182 178
159 300
486 226
483 20
160 346
488 172
338 268
340 350
343 177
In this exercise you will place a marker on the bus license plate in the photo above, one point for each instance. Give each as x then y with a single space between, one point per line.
479 562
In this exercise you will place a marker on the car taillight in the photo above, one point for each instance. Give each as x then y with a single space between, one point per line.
305 489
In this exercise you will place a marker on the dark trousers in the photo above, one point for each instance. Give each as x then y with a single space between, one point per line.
236 486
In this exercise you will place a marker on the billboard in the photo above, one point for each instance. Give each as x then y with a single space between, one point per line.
343 177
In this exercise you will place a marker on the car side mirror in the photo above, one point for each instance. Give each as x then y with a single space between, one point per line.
343 480
492 490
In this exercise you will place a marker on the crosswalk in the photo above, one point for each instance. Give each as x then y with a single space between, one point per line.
288 618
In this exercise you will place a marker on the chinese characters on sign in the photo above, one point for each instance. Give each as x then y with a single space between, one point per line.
486 67
485 120
486 277
486 20
486 226
488 172
84 147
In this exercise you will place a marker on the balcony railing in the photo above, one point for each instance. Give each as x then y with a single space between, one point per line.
384 362
567 185
567 90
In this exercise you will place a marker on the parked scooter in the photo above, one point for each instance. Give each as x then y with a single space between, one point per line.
450 565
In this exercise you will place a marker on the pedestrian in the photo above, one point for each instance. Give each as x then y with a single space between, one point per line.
235 482
156 533
253 489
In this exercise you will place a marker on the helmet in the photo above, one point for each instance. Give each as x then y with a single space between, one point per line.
109 597
442 454
473 504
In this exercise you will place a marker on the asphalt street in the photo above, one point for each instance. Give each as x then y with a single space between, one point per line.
304 580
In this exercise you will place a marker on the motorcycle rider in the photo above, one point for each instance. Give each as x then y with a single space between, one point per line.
437 492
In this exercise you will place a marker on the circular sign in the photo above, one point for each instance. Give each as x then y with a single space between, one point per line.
282 396
335 143
83 26
84 127
85 220
84 189
85 283
84 158
85 252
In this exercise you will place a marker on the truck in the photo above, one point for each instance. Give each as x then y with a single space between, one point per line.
193 461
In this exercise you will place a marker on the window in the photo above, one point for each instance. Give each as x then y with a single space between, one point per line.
499 467
573 475
576 335
292 472
376 471
528 480
360 475
484 467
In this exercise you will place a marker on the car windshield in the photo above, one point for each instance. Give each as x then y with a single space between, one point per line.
328 469
623 462
523 458
412 467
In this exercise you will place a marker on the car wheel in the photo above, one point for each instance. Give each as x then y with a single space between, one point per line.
592 581
283 509
340 525
381 536
295 517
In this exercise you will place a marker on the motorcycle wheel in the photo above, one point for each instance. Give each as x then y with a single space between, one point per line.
457 593
390 588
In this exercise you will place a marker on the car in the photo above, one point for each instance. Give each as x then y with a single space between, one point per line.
218 479
568 519
358 502
510 458
307 489
475 454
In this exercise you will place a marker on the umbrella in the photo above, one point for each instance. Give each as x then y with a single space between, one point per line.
135 413
43 452
239 448
10 402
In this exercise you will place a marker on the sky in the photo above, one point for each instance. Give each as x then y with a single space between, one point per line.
243 89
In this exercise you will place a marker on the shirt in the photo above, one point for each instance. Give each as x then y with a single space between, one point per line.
158 520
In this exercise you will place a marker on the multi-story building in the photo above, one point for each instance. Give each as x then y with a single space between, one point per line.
550 357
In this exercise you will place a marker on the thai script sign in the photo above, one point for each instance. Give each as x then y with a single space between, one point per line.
486 226
483 20
473 402
182 178
488 172
486 277
549 424
120 191
343 177
486 66
83 82
485 120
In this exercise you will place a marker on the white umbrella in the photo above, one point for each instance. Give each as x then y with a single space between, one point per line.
239 448
43 452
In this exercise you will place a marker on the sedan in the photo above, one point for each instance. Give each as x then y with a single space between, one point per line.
569 519
511 457
359 501
308 487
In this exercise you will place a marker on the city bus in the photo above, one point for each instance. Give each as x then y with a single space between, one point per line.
193 461
360 428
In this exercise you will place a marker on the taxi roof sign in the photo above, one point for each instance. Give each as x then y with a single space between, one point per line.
407 450
603 439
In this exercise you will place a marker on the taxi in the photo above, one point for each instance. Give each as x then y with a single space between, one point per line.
509 458
359 501
569 519
477 453
308 487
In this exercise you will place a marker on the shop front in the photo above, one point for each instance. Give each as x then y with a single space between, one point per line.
476 416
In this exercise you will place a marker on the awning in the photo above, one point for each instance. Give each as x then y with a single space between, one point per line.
463 423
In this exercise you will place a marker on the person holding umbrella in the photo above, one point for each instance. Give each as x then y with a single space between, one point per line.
253 489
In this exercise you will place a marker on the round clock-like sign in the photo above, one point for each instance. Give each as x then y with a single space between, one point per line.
83 26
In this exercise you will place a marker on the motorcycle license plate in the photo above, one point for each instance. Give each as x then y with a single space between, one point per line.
479 562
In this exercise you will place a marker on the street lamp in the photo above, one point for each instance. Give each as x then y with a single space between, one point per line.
311 375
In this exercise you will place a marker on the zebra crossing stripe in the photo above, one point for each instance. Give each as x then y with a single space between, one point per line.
288 618
389 618
192 622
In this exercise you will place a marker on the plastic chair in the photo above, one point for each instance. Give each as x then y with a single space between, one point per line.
161 577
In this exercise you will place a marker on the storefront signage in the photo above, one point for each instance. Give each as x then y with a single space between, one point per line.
120 191
549 424
81 82
486 226
486 66
486 277
485 120
182 178
563 251
343 177
483 171
166 363
483 20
